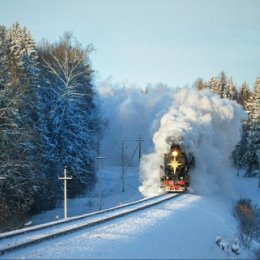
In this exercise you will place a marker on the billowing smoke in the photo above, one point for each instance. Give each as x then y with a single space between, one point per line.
207 127
131 112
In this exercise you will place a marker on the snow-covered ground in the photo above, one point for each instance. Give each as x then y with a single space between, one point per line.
186 227
247 188
112 195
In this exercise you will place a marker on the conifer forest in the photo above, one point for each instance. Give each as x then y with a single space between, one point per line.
49 120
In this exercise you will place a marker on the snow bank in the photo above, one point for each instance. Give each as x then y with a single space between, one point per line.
209 128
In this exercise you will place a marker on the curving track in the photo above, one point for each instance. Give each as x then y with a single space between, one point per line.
10 241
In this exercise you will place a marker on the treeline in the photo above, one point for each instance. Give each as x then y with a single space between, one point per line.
48 120
247 153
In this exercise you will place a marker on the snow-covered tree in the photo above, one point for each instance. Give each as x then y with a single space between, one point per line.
229 90
3 56
69 122
199 84
18 137
48 120
15 52
223 86
244 94
214 86
240 160
253 132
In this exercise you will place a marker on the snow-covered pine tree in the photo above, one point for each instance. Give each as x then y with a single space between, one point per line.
16 50
226 89
220 85
238 155
214 85
70 116
239 152
253 136
47 101
18 136
10 161
244 94
3 57
223 87
229 91
30 116
199 84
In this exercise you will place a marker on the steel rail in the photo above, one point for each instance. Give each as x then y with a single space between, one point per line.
73 224
71 219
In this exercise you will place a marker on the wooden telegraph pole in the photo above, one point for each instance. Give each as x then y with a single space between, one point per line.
140 140
65 178
123 147
100 158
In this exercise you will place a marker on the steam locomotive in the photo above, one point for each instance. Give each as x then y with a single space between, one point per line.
174 174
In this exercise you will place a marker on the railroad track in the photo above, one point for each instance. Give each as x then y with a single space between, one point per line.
10 241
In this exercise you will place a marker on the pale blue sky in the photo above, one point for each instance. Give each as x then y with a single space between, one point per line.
169 41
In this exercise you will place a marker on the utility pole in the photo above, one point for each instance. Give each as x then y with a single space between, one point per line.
100 158
98 151
123 147
65 178
140 140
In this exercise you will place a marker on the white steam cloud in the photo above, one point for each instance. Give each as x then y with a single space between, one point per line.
208 127
131 112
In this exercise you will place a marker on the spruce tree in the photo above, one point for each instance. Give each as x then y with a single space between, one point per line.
229 91
214 86
199 84
244 95
3 57
18 159
253 134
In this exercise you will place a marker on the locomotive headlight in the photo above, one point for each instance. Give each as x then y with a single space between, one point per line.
174 153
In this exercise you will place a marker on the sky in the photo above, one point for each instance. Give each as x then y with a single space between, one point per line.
149 41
